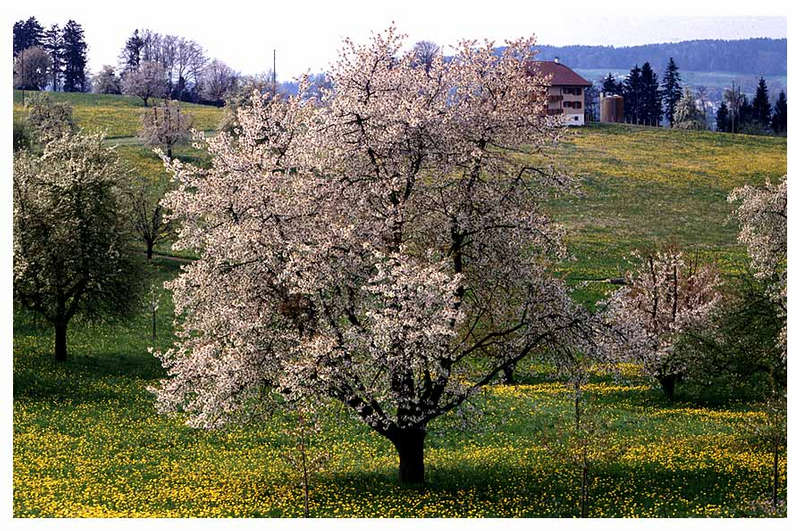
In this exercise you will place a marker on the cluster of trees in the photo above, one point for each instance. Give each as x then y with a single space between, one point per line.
648 103
154 66
173 66
53 58
151 65
738 114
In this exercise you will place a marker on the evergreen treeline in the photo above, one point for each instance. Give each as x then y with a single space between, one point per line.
747 56
738 114
649 103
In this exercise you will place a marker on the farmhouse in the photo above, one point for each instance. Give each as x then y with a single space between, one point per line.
565 93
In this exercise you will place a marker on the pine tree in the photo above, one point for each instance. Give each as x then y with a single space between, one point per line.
723 118
27 33
74 58
745 117
779 122
671 90
651 97
132 52
762 110
54 46
611 85
632 92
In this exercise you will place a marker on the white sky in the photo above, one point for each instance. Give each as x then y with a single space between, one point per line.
307 34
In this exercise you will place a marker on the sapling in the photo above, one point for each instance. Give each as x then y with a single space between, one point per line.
304 459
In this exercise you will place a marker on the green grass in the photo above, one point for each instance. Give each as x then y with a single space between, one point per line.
87 441
117 116
643 186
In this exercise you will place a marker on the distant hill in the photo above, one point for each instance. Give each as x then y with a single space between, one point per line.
713 64
746 56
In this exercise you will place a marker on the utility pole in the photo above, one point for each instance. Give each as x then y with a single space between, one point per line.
274 77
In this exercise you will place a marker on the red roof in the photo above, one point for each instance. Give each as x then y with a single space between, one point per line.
561 75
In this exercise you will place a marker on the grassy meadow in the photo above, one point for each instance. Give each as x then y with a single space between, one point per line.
87 443
87 440
644 186
116 116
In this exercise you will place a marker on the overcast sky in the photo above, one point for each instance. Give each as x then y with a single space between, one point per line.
307 34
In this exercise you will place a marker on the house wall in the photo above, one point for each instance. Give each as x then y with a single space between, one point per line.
566 101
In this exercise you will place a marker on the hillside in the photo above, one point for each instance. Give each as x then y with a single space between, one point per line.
744 56
639 185
117 115
643 186
87 441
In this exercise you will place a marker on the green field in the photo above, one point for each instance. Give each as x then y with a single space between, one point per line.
117 116
87 441
644 186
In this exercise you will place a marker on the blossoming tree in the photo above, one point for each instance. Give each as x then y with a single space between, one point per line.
71 238
665 294
383 245
165 126
762 216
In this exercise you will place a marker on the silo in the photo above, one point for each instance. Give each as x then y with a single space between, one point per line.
612 108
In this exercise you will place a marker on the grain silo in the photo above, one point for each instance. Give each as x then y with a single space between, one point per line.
612 108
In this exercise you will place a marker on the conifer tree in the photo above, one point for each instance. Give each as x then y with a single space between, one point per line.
671 86
745 117
762 110
132 52
778 121
53 45
27 33
611 85
723 118
74 57
650 101
632 92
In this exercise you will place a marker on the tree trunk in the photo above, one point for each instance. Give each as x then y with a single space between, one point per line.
585 486
410 446
149 250
668 384
61 341
508 374
775 477
169 152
